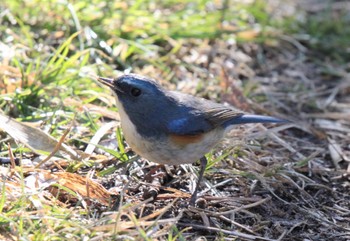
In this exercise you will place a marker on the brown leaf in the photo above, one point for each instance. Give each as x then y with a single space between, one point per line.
85 187
33 138
12 79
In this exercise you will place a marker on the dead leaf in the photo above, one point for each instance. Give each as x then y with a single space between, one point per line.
12 79
85 187
93 108
33 138
98 135
248 34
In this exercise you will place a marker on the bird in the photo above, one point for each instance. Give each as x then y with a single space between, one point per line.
171 127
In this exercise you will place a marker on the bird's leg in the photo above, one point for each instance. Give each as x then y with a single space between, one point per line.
203 165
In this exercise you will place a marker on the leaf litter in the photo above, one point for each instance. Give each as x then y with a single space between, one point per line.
288 182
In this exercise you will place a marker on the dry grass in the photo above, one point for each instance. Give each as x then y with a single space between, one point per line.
285 182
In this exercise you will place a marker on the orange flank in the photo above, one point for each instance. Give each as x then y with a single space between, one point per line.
186 139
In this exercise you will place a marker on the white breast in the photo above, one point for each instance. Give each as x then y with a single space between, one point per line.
130 133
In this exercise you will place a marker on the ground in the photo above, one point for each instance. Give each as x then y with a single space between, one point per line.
263 182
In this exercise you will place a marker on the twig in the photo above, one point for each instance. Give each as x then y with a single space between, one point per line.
12 158
57 147
219 230
246 206
236 224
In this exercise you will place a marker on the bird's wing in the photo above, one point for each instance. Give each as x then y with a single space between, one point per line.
198 116
220 115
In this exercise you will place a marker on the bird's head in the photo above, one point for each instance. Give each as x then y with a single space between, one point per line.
134 91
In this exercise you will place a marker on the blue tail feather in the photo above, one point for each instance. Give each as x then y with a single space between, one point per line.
245 119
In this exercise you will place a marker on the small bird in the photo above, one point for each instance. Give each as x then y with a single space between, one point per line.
170 127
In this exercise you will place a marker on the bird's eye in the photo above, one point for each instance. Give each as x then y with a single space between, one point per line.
135 92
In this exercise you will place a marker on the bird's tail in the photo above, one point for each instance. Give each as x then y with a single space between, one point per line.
245 119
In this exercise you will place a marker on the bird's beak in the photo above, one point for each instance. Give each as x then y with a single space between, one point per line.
106 81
